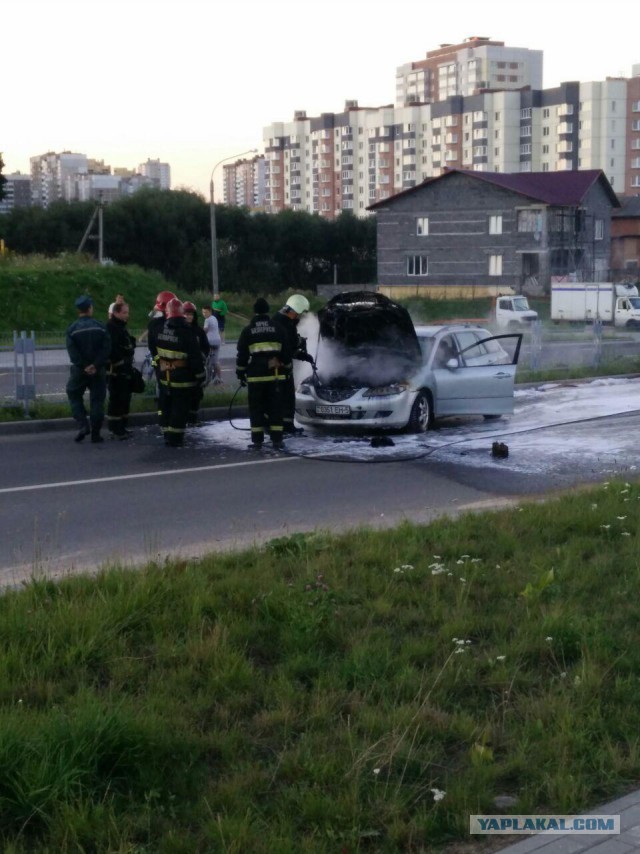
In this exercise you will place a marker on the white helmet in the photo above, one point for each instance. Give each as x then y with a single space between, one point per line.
298 303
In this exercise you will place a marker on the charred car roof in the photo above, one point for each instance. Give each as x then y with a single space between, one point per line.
367 319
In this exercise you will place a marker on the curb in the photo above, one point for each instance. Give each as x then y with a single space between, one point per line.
136 419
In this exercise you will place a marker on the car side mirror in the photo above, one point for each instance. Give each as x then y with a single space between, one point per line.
452 364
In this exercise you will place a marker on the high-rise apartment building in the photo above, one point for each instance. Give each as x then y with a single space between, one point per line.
347 161
159 173
17 192
244 183
50 175
475 65
75 177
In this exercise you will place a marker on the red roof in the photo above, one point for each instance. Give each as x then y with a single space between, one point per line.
552 188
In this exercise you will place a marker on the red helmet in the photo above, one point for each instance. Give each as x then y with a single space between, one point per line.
174 308
189 306
162 299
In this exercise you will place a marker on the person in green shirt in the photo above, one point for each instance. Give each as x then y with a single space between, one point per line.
220 310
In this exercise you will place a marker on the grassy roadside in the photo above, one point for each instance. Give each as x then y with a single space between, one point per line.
356 693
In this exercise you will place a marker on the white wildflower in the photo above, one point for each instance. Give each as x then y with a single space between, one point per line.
398 569
621 518
437 557
476 560
459 561
549 639
406 566
500 657
625 534
464 557
438 794
563 675
606 527
577 680
623 491
594 506
376 770
463 580
458 651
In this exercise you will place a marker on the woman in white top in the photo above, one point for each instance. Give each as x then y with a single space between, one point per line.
210 326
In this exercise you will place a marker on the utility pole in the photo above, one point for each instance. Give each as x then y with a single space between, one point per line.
97 213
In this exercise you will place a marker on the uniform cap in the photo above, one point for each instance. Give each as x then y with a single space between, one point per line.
84 302
261 306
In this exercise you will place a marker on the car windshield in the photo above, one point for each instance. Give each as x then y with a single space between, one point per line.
635 302
520 304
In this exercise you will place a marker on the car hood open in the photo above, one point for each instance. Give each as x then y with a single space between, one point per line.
370 338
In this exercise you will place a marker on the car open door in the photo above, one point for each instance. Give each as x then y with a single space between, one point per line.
481 377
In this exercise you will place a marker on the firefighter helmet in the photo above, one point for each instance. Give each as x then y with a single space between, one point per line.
298 303
189 306
175 308
162 299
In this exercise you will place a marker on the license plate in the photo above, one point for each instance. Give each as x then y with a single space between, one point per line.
332 410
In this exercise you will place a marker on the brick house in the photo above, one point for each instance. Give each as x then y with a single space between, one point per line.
468 233
625 239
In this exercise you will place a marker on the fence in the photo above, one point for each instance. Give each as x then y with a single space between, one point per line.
31 371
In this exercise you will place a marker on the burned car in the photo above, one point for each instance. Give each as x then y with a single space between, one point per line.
377 370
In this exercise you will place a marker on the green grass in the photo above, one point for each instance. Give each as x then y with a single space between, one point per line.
310 695
46 409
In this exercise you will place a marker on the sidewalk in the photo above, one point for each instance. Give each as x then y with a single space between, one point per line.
627 807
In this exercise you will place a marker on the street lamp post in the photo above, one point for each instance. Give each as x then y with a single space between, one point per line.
212 211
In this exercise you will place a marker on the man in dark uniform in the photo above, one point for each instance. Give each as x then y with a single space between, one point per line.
180 370
88 346
286 320
264 363
123 348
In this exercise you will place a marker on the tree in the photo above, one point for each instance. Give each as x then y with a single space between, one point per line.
3 180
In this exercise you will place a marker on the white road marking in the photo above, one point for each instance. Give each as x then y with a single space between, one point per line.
141 475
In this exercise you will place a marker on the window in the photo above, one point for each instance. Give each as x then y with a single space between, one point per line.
545 131
635 124
417 265
635 106
525 130
422 226
525 148
635 181
525 113
598 230
495 265
530 220
495 224
545 113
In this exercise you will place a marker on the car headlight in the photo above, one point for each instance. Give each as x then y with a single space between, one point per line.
385 390
305 387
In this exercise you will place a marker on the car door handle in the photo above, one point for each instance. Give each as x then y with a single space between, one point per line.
502 376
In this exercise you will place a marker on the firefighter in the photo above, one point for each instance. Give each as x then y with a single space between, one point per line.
123 348
88 346
286 320
263 364
191 315
180 371
156 325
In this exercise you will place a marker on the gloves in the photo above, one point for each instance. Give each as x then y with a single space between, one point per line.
242 377
307 357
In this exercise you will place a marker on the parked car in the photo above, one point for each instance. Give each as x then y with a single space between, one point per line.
376 370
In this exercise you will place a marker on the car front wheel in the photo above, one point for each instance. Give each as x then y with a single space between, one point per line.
420 417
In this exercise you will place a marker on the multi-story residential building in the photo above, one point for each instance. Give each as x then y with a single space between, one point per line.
49 174
349 160
159 173
244 183
17 192
74 177
465 69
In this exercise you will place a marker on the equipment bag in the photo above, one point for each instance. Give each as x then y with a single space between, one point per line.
138 384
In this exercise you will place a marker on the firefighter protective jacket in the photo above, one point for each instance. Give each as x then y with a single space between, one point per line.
123 347
179 359
264 351
289 328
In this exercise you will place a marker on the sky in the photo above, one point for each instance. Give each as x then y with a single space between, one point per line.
192 82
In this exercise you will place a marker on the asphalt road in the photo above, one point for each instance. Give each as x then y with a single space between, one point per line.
66 506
